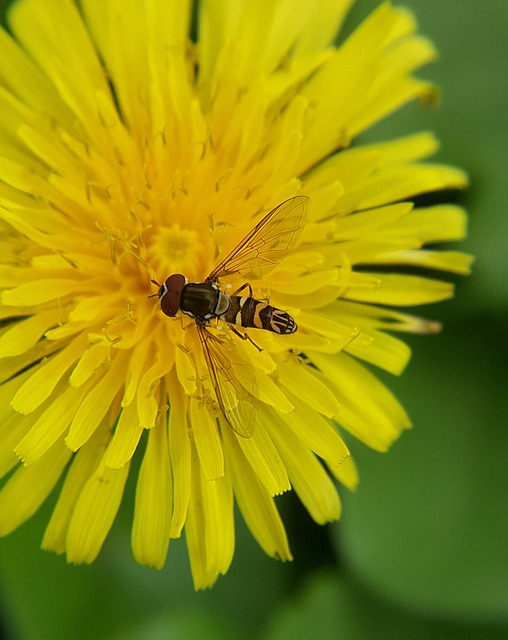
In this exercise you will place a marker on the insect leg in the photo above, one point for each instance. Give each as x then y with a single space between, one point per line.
191 323
244 286
244 336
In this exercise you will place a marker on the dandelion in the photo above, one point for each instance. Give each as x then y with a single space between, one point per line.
132 150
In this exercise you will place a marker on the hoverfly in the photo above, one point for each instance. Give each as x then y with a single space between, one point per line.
254 257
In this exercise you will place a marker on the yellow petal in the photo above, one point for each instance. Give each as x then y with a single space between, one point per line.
147 392
12 430
264 459
180 453
316 432
24 334
96 404
186 370
135 369
13 427
307 475
217 496
206 437
25 79
399 183
371 317
382 350
303 382
94 513
40 291
41 383
125 439
152 512
88 364
29 487
366 343
50 426
210 527
256 504
451 261
64 46
367 408
83 465
346 472
402 290
366 223
271 393
309 283
402 150
319 22
440 223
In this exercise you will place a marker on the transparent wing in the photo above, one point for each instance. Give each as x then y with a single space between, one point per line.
233 381
268 243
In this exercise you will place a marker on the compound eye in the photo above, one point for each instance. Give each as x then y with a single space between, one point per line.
170 298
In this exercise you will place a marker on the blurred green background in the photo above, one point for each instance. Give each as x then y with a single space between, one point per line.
420 551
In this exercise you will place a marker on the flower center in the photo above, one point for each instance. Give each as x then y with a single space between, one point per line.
175 250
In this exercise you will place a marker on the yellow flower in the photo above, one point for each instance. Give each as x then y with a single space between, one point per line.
130 153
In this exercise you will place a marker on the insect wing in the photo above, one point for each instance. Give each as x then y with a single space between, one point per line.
231 379
268 243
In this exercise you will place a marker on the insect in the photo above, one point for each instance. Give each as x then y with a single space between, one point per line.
255 256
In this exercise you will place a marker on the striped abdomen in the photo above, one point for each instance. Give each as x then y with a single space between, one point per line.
247 312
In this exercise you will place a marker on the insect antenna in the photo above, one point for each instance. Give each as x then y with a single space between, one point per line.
153 295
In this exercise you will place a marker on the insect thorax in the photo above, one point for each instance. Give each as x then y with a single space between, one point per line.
203 300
